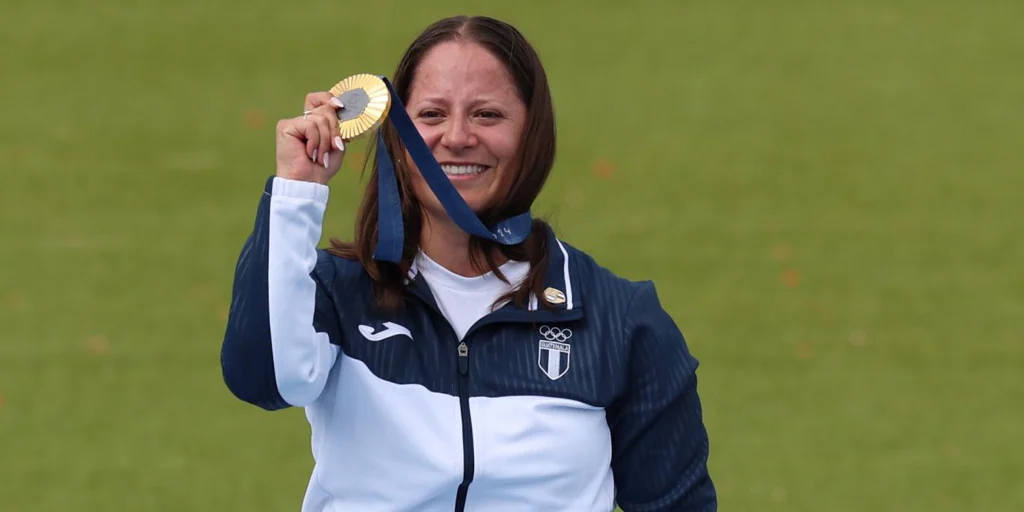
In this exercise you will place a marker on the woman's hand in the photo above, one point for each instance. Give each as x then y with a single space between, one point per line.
309 147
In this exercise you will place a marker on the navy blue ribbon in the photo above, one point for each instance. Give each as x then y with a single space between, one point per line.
390 230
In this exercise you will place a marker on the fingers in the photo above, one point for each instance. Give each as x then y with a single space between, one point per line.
316 100
318 129
305 130
327 123
312 132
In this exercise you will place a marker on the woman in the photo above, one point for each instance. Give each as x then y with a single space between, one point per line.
470 373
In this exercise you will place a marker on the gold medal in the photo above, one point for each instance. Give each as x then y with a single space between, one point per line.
366 101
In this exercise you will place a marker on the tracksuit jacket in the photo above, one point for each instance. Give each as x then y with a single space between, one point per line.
579 408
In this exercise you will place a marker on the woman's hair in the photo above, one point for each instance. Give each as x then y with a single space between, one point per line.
521 186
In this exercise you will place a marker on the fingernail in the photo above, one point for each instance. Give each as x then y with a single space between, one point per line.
326 161
338 143
337 102
314 153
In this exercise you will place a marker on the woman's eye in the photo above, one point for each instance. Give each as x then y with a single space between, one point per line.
430 114
489 114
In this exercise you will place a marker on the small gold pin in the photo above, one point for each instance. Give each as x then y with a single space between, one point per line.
554 296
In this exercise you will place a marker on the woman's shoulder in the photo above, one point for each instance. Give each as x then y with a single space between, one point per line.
603 287
627 306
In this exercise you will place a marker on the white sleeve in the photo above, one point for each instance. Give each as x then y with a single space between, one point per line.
274 355
302 357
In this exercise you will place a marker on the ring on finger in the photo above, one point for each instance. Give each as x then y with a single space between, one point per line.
306 114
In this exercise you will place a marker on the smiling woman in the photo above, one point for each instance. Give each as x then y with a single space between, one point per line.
490 124
468 372
469 112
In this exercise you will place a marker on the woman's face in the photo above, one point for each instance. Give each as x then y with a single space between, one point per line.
465 105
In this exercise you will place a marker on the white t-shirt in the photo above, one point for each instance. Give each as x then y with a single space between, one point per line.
464 300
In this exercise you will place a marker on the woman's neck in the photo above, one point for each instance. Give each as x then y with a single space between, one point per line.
448 246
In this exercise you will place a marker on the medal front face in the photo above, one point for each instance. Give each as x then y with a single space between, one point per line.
366 101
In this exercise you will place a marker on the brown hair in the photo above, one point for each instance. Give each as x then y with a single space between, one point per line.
530 170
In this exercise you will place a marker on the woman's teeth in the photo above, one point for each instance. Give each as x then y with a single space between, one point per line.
462 170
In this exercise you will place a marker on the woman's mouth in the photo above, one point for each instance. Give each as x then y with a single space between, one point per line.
462 171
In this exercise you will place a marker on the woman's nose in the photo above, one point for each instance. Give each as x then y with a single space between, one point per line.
458 134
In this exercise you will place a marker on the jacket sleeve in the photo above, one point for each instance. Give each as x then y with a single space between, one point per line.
277 349
659 442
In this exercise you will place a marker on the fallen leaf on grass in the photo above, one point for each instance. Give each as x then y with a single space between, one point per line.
791 278
603 169
97 344
254 119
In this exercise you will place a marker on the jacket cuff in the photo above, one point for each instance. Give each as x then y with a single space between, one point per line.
282 187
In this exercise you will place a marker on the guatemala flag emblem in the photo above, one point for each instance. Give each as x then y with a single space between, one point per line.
553 356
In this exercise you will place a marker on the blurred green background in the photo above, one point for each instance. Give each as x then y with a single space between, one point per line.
827 193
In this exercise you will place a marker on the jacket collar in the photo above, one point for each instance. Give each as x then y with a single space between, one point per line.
561 280
561 288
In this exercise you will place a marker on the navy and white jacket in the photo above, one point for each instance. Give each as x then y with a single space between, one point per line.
575 409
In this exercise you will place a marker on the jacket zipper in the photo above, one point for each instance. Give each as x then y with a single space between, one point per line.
467 428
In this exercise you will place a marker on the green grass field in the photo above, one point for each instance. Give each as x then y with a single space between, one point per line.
829 195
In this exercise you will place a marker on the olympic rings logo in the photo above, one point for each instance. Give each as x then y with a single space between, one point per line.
555 333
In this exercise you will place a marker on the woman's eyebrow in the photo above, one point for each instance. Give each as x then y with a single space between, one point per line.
476 102
434 99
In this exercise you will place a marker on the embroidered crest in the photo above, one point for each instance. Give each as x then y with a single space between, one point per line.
553 353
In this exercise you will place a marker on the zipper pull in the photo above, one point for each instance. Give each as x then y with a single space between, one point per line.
463 358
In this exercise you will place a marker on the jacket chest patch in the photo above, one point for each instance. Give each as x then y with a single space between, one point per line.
553 351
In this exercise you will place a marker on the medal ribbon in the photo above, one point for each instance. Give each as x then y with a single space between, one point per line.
390 230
